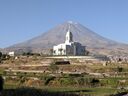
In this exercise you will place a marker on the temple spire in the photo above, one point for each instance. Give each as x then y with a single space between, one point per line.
69 26
69 36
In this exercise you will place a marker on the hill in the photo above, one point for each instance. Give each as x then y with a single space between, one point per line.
94 42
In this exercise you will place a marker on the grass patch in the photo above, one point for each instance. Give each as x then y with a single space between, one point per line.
66 90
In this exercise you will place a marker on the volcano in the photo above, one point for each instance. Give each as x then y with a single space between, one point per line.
93 41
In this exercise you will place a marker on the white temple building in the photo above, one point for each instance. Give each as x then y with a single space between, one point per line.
69 47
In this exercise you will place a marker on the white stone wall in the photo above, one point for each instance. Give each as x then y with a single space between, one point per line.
11 53
59 49
69 47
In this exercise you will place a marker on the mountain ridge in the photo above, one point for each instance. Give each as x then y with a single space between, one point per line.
57 34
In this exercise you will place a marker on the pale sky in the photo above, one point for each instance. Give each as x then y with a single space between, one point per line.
21 20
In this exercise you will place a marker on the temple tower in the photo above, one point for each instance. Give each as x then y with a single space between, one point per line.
69 36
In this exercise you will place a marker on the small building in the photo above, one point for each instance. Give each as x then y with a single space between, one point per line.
69 47
11 53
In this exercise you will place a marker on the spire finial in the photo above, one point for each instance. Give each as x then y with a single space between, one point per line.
69 25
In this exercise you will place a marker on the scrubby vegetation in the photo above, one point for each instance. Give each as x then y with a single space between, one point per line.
68 84
27 74
34 92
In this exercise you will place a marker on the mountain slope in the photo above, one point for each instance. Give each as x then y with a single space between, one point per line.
80 33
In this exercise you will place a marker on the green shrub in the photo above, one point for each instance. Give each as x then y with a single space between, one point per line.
67 81
48 79
81 81
95 82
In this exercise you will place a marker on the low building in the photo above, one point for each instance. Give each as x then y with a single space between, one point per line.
69 47
11 53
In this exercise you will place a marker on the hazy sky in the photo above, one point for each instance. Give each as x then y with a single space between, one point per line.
21 20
